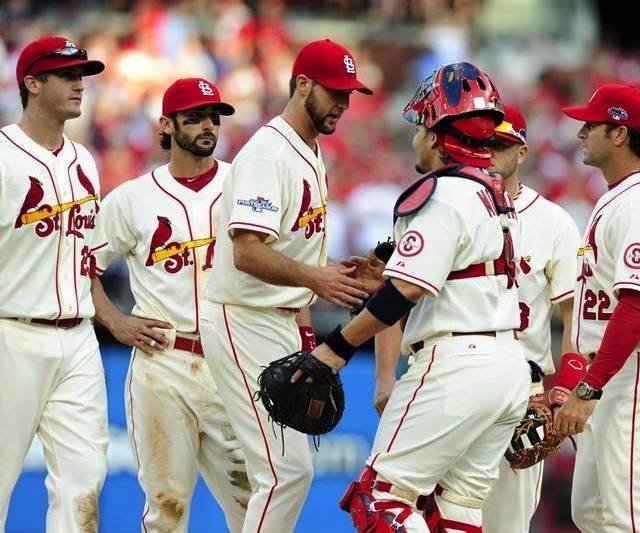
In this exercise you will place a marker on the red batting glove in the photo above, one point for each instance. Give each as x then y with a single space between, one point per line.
308 337
573 367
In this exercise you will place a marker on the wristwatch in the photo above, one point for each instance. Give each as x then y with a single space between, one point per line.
584 391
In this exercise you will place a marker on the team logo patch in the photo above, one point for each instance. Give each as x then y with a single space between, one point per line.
410 244
205 88
617 113
632 255
259 204
349 65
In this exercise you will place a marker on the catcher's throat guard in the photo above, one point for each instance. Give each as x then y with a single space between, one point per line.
312 406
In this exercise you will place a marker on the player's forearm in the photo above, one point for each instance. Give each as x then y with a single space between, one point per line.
257 259
566 311
387 352
106 312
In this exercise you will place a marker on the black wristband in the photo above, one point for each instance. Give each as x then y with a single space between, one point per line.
338 344
388 304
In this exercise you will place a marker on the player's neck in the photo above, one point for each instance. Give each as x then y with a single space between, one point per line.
301 125
42 129
184 164
617 168
512 184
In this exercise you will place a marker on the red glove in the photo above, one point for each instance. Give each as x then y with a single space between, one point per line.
308 337
573 367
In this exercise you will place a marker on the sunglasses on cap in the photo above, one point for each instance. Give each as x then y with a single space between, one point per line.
65 51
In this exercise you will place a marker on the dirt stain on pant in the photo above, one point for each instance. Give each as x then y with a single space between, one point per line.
85 510
170 506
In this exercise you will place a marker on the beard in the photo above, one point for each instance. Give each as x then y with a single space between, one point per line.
317 118
191 145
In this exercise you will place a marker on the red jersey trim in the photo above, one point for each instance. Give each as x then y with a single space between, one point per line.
530 204
561 297
424 283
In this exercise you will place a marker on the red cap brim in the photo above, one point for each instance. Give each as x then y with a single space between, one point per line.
222 108
342 84
585 114
89 67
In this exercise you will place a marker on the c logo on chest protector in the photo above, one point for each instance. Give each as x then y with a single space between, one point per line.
176 255
410 244
309 218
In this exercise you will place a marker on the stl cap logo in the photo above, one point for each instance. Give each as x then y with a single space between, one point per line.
617 113
69 44
349 65
205 88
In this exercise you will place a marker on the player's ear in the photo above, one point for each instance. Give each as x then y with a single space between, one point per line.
522 153
167 125
303 85
32 84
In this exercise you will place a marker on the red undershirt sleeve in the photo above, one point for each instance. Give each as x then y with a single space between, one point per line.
621 337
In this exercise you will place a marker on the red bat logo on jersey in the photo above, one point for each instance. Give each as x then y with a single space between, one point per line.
176 255
524 265
88 186
591 239
48 217
309 218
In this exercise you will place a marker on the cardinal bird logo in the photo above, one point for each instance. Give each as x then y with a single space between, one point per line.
524 265
88 186
33 198
160 237
304 205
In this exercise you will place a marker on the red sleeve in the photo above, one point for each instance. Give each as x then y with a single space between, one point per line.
621 337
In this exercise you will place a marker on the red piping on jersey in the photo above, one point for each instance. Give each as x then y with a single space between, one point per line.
616 183
556 298
61 225
253 406
211 215
324 233
406 411
528 206
73 198
195 256
133 432
414 277
633 429
623 283
537 493
594 216
255 226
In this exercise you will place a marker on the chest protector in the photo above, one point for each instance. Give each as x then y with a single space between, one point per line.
419 193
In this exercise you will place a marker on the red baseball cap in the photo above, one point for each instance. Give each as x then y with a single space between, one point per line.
613 102
187 93
330 64
52 53
513 127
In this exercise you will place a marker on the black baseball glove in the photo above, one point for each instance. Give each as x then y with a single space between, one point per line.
312 406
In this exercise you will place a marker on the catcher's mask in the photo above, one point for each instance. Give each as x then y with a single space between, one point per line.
462 105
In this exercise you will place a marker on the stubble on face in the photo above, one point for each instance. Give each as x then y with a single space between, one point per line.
190 144
318 119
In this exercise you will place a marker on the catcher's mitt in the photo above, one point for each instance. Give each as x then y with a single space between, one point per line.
534 437
313 407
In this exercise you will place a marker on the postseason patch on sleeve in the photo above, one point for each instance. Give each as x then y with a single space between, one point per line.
258 204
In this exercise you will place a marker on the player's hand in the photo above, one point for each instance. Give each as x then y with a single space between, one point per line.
368 270
381 396
327 356
139 333
335 283
571 418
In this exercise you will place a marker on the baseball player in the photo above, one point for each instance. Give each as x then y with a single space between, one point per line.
271 261
548 245
51 375
450 417
604 407
164 224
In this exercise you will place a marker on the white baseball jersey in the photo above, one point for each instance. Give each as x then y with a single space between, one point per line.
608 260
277 186
548 245
166 231
48 205
455 229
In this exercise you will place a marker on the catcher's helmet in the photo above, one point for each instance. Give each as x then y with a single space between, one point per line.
460 102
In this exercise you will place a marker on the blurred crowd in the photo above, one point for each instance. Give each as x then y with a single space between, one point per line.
247 48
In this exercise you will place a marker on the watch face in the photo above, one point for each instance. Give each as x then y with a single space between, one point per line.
583 391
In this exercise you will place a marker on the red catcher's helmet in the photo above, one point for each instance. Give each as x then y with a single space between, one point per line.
461 103
454 89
